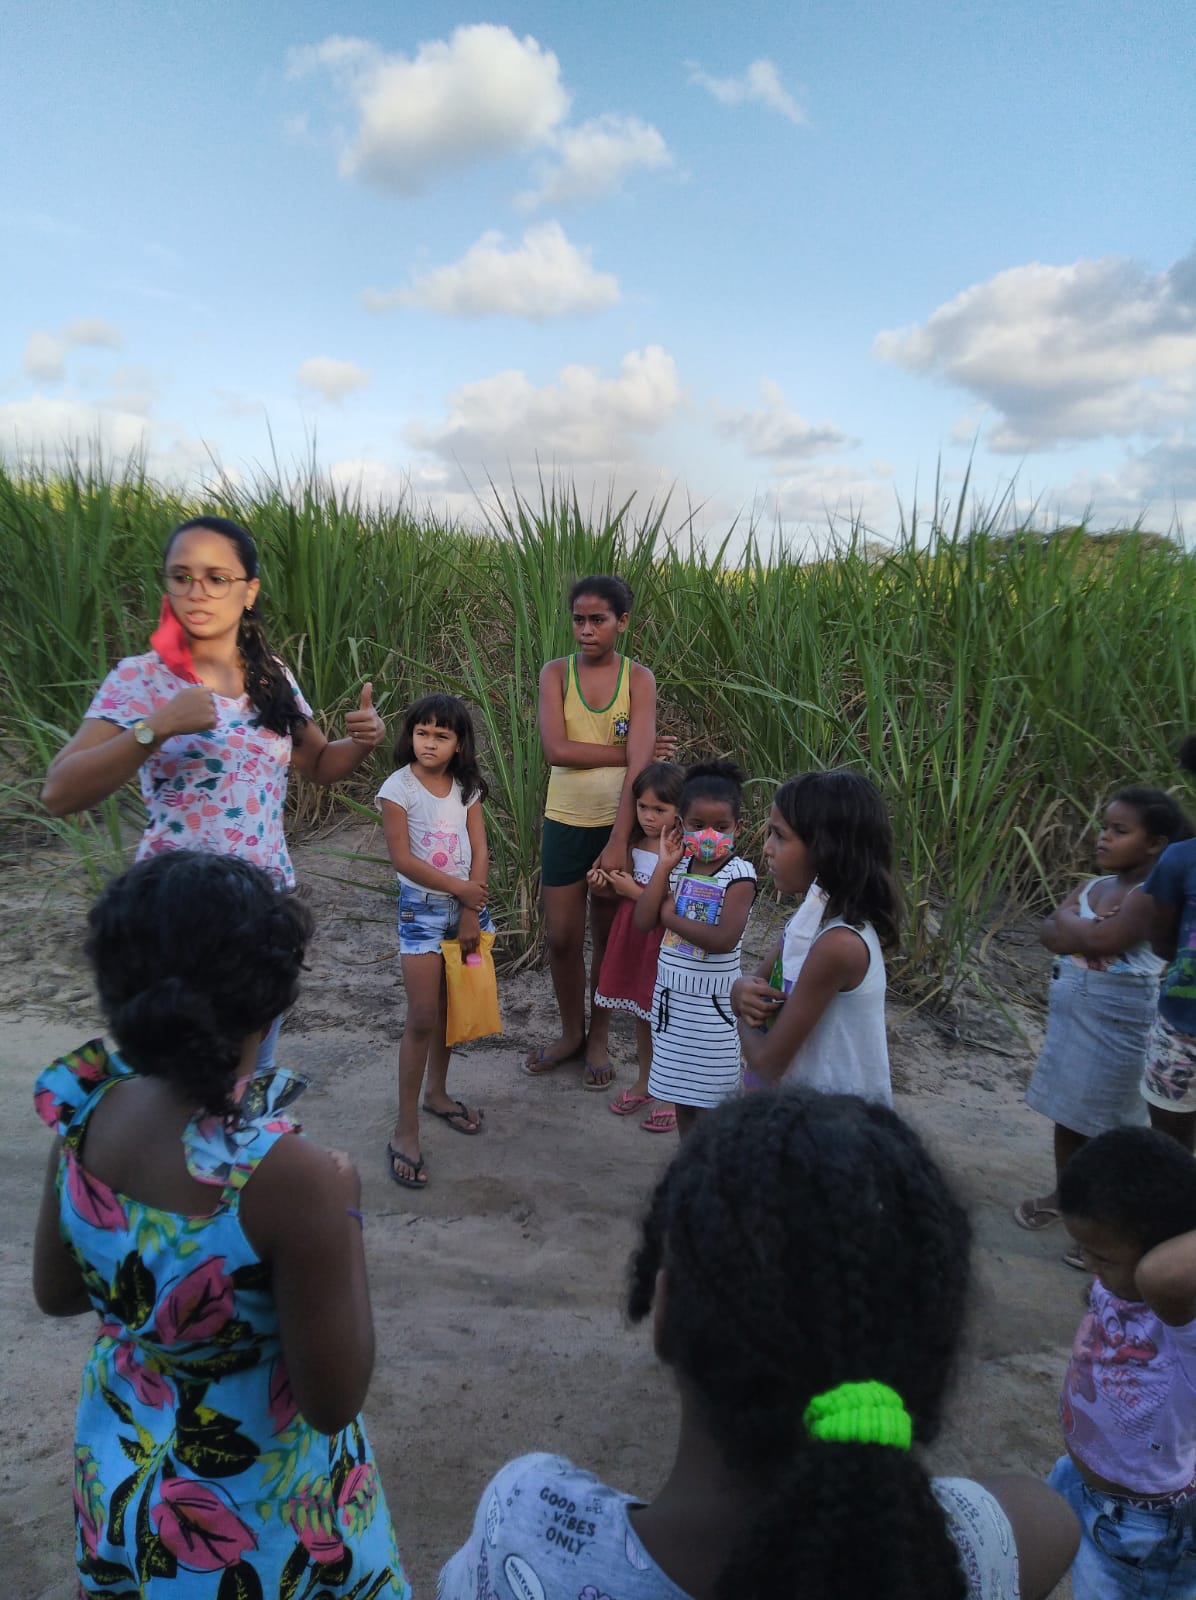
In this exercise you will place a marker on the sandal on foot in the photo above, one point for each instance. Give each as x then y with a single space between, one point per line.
413 1182
1034 1215
538 1062
459 1118
595 1079
662 1120
628 1102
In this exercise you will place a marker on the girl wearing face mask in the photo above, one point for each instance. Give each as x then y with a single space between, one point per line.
700 893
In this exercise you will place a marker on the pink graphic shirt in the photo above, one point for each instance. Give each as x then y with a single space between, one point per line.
1128 1407
221 790
438 828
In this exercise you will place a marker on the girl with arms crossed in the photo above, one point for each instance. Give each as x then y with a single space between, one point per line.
598 729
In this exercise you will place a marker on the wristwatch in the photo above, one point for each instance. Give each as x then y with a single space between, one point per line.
143 733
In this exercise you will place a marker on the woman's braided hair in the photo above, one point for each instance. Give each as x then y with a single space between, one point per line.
192 953
809 1240
266 683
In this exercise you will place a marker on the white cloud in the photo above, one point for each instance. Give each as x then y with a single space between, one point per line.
54 432
46 353
544 276
761 83
93 331
778 433
596 157
332 378
1065 353
830 496
1155 487
480 94
45 357
581 419
372 481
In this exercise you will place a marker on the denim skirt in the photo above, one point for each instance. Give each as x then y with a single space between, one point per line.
1089 1074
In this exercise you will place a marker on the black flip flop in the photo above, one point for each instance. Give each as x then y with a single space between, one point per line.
456 1117
393 1155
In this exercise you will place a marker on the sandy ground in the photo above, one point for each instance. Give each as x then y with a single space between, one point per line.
498 1293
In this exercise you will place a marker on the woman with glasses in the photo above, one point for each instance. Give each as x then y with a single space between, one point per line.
209 719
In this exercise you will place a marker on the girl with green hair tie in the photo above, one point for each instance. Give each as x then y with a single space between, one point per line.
805 1267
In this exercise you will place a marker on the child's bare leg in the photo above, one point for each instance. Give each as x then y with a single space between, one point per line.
565 927
436 1096
687 1119
599 1071
643 1055
1041 1212
422 979
1180 1125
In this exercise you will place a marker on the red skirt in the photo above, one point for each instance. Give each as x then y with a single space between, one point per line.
628 974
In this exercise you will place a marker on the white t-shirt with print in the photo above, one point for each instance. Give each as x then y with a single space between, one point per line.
437 827
547 1530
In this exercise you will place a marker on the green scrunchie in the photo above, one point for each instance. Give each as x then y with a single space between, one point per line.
860 1413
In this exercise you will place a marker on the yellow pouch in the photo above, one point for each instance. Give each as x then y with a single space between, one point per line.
472 993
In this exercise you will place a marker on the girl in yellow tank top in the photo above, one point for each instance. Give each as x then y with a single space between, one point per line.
588 797
598 729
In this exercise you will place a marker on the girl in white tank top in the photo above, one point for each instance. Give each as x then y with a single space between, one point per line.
814 1011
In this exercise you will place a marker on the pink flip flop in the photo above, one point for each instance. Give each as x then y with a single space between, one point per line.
628 1103
662 1120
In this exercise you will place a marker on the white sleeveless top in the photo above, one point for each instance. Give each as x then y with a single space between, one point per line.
848 1052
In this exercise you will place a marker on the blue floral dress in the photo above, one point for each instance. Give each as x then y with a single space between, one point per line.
195 1475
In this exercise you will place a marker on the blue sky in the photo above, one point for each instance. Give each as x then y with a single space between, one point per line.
786 261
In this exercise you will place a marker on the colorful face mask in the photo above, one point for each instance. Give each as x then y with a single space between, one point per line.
708 844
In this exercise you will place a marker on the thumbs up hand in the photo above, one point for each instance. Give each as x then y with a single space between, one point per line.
364 726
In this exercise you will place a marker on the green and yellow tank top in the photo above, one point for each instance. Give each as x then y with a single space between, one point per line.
588 797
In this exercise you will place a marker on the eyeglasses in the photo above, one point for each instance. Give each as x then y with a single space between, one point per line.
213 584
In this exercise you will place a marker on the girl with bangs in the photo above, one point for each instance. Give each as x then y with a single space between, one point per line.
431 809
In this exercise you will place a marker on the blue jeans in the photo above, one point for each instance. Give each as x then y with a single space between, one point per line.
1135 1552
426 917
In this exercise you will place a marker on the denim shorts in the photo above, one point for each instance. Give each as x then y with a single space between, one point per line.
426 917
1127 1548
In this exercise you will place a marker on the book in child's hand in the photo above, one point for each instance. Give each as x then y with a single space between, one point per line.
698 900
776 980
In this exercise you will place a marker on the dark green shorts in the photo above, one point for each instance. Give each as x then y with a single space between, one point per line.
568 853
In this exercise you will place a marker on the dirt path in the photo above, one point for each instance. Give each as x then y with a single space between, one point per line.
497 1294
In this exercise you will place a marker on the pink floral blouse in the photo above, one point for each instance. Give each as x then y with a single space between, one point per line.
221 790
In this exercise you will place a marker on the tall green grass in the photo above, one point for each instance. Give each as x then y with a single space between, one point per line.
995 685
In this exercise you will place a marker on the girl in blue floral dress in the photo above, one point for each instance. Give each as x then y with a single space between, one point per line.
219 1454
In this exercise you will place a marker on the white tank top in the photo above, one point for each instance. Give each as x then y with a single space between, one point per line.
848 1052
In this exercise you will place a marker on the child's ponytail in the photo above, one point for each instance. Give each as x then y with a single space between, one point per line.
808 1241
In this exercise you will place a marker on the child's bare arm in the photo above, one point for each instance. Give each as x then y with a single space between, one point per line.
404 860
559 749
1164 928
1129 925
1166 1279
1045 1530
716 937
623 883
1049 933
650 906
837 961
58 1285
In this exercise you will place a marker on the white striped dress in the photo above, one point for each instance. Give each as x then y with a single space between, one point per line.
695 1043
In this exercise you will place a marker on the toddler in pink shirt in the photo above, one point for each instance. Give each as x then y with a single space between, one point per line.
1128 1407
